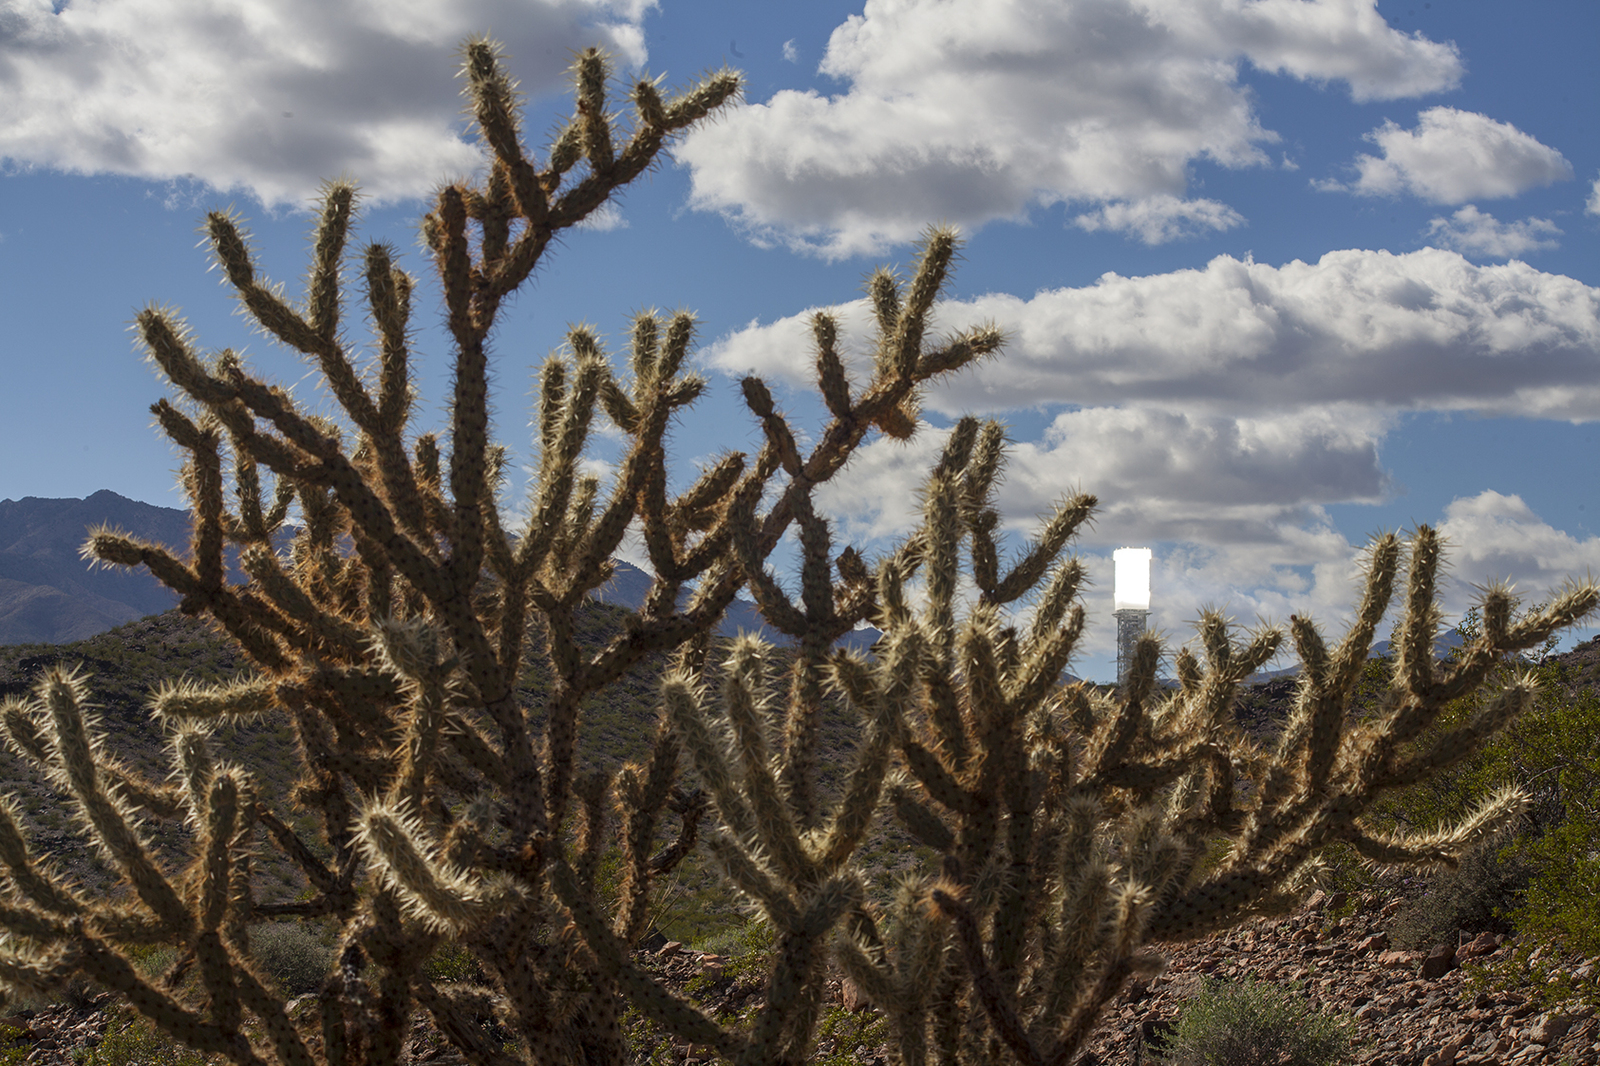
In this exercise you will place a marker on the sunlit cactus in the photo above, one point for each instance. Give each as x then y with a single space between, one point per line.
1069 824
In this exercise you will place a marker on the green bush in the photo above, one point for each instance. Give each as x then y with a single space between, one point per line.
1476 897
293 955
1251 1023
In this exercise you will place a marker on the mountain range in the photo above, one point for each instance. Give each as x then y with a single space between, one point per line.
50 595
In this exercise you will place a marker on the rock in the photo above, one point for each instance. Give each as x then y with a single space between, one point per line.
1481 945
1440 961
1551 1028
1390 960
1317 901
851 997
669 949
1377 942
1154 1034
1185 985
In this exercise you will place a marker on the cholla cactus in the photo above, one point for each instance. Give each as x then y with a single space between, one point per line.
392 632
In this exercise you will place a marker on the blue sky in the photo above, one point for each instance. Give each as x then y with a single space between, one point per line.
1278 273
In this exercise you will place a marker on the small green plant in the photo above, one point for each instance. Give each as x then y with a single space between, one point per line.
292 954
1252 1023
132 1040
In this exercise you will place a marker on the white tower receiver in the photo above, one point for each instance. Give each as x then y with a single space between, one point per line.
1131 603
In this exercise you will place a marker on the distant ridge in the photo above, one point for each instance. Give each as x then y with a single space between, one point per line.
51 595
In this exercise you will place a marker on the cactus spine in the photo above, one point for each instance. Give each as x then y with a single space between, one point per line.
391 634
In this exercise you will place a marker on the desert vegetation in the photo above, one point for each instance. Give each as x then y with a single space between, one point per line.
466 857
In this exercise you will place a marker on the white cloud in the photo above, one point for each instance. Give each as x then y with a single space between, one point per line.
1593 206
1472 232
270 97
1426 330
1495 537
608 216
979 110
1160 475
1159 219
1453 156
791 54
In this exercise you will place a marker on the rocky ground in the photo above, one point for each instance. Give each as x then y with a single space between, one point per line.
1411 1008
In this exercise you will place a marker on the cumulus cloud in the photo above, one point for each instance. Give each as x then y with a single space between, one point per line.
1593 206
1159 219
1453 156
1160 475
1426 330
982 109
272 97
1472 232
1496 537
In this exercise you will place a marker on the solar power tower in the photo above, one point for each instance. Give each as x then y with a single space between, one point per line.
1131 603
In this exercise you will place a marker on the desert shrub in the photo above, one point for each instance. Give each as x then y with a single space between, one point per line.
1477 896
1253 1023
292 954
452 962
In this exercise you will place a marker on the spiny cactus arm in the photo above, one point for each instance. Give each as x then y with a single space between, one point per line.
918 818
335 635
1045 548
452 1018
783 1028
655 1002
587 136
685 711
1419 624
997 1004
314 333
1078 924
753 878
494 105
1445 846
287 1041
33 881
859 803
22 731
45 971
446 900
657 121
1456 744
1350 657
1047 658
189 1027
642 793
749 711
328 465
75 766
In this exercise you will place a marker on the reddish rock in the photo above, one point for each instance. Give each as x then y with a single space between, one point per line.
1392 959
1483 944
1551 1028
1440 961
851 997
1377 942
670 948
